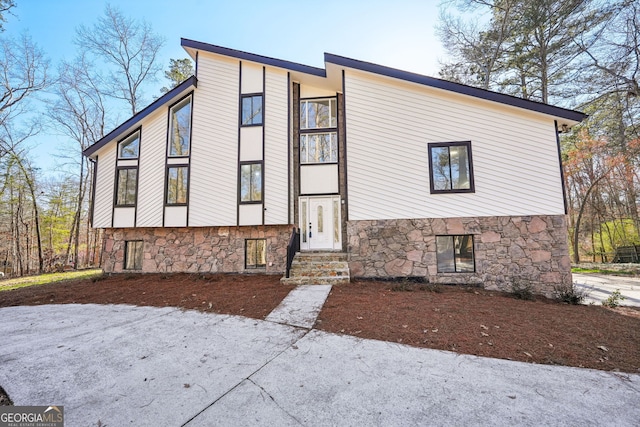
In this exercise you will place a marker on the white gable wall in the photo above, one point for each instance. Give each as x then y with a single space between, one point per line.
214 152
105 180
389 125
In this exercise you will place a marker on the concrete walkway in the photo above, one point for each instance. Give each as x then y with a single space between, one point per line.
301 307
600 287
120 365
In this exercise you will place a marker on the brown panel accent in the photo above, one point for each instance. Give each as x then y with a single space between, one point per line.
296 149
342 169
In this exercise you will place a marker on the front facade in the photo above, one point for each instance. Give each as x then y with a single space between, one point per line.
410 176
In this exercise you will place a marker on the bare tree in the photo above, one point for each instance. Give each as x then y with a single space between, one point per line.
525 48
79 111
23 72
28 174
129 47
5 7
477 51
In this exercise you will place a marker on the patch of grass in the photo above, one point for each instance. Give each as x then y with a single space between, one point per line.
44 279
601 271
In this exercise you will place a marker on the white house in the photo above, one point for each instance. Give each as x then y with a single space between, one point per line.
407 174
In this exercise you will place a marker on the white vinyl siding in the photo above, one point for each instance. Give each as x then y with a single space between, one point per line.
105 187
276 143
390 123
151 170
213 182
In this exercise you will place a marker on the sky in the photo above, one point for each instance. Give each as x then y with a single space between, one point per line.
396 33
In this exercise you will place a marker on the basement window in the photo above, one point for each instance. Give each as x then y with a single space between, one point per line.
255 251
133 255
455 254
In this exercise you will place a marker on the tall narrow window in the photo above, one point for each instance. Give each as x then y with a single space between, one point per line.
180 129
451 168
255 253
177 182
252 107
127 187
129 147
251 182
303 220
133 255
454 254
336 221
320 214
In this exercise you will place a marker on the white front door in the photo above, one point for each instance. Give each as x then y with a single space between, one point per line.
320 223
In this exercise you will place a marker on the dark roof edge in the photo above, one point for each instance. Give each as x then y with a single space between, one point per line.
293 66
191 81
456 87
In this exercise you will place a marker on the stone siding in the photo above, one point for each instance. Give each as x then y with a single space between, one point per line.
528 249
197 249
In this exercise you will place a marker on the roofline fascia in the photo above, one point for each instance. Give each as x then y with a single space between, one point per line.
455 87
191 81
280 63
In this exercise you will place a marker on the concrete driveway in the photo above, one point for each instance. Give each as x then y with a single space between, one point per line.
143 366
600 286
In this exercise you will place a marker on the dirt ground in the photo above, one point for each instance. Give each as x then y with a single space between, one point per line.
455 318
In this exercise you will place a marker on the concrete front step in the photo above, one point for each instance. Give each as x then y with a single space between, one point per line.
319 273
320 256
318 268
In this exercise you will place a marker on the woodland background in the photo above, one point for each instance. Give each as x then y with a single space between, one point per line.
578 54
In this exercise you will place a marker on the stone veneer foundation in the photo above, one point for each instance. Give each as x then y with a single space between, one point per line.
197 249
529 249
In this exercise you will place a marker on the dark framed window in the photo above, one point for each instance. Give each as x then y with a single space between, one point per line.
319 147
133 251
250 182
252 108
129 148
180 128
318 113
177 185
451 167
255 251
127 186
455 254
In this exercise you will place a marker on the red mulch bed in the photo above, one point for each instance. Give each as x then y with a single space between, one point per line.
245 295
461 319
485 323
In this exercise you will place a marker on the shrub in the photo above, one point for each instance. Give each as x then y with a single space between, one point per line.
521 289
570 294
410 284
614 299
99 278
